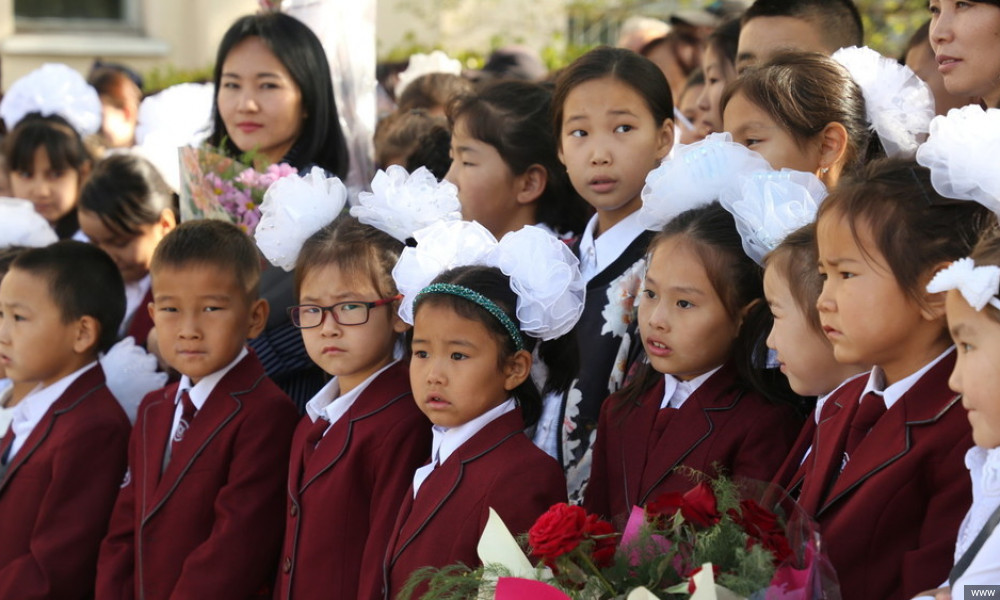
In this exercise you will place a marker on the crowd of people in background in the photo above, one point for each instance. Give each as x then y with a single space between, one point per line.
740 243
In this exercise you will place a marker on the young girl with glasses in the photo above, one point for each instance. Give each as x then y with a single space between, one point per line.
355 450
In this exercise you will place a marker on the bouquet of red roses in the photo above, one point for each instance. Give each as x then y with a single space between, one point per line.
719 541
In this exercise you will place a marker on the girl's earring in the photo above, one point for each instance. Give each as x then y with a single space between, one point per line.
824 170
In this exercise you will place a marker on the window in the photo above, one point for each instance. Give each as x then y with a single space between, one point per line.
42 15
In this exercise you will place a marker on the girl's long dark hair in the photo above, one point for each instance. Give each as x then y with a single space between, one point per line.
321 141
560 355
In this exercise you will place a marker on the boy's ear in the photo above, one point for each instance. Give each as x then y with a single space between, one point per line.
932 305
517 369
88 332
531 184
259 311
665 141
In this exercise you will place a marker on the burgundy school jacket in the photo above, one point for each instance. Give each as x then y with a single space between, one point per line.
141 322
499 467
58 491
890 519
210 525
343 500
718 425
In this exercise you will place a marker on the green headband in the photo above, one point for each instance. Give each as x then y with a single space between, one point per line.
481 300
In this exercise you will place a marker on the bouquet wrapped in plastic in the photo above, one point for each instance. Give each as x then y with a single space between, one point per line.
721 540
216 186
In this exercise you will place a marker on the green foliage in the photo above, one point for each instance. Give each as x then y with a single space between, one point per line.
160 78
890 23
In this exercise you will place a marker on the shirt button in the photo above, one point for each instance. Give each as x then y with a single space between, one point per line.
288 565
294 510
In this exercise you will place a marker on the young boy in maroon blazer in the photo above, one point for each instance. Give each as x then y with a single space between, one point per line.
200 513
64 455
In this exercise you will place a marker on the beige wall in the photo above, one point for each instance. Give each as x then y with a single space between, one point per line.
185 33
182 33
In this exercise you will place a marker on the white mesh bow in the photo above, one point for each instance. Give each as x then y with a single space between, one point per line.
978 285
962 152
769 205
543 273
20 225
425 64
900 105
401 203
131 373
293 209
54 89
695 176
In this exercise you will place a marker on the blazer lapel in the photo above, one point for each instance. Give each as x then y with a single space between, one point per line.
380 394
822 465
635 434
712 396
86 384
221 407
157 419
923 404
444 480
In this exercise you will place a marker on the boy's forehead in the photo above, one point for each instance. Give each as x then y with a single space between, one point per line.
196 276
24 287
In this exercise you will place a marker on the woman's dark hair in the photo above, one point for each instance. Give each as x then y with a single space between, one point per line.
321 141
513 117
725 41
803 92
561 356
892 202
362 253
710 232
126 192
63 146
637 72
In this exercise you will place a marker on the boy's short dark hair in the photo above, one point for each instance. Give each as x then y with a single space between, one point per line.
838 20
83 282
211 242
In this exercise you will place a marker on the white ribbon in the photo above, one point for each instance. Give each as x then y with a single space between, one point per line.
978 285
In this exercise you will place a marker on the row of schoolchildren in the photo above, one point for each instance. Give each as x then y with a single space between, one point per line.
612 129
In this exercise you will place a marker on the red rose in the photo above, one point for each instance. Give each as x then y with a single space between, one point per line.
666 506
700 507
559 531
755 519
603 535
777 544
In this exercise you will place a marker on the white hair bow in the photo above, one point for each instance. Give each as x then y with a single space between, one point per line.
402 203
978 285
543 272
54 89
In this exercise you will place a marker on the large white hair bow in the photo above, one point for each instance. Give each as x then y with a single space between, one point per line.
20 225
54 89
401 203
962 153
131 373
978 285
769 205
178 116
900 105
293 209
543 273
695 176
425 64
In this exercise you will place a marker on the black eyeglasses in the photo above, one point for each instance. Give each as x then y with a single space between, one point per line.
307 316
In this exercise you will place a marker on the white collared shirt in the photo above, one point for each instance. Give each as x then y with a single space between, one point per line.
446 440
200 391
134 293
6 414
676 391
596 254
32 408
984 468
892 394
328 404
